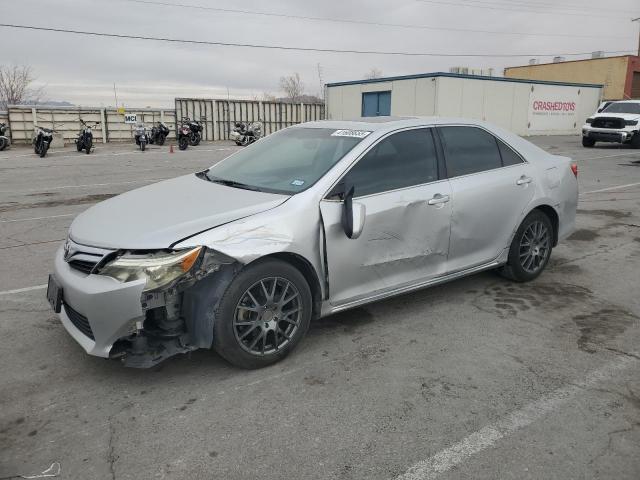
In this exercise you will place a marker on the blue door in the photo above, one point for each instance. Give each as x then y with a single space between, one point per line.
375 104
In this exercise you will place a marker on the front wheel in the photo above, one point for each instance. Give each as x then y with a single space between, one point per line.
183 143
264 313
43 149
87 146
160 140
588 142
143 145
3 143
79 145
530 248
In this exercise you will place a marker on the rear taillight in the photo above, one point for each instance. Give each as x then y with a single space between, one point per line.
574 169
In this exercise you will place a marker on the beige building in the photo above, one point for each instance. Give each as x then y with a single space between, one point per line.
619 75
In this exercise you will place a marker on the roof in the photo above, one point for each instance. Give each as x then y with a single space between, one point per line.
383 123
572 61
458 75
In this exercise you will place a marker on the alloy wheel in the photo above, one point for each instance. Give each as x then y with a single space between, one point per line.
534 247
267 316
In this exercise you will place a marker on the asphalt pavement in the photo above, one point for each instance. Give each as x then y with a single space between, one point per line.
479 378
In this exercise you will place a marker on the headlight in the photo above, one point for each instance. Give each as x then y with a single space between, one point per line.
158 269
631 123
589 121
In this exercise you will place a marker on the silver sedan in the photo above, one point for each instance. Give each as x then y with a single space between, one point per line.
306 222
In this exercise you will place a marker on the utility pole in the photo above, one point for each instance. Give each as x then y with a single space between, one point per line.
637 20
321 81
115 94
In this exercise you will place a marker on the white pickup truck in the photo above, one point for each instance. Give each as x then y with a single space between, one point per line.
617 123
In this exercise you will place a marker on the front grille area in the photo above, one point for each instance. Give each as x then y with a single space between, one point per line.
607 122
84 266
79 320
82 257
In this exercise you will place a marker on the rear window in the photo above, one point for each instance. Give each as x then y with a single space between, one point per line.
469 150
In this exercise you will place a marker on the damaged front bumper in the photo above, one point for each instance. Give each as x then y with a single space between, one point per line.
115 319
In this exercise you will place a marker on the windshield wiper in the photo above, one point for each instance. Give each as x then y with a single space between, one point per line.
233 183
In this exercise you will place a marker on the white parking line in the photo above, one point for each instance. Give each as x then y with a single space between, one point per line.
617 187
22 290
486 437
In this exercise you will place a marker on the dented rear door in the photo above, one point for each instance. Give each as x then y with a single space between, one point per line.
406 232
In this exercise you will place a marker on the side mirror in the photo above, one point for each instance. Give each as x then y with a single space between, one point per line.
353 215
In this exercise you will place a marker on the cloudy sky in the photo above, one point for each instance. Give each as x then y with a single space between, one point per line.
82 69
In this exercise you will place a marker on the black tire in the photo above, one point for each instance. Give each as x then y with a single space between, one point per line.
635 141
143 145
79 146
588 142
238 143
516 267
226 334
194 139
36 148
3 144
160 140
88 145
183 143
43 150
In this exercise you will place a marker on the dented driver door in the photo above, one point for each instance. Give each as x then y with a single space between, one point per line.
405 239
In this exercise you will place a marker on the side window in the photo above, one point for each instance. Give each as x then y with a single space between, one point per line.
400 160
469 150
509 157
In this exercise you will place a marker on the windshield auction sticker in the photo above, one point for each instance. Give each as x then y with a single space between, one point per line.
350 133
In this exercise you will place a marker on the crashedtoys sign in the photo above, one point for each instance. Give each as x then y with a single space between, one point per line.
551 108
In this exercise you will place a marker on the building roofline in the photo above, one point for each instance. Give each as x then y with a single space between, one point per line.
571 61
459 75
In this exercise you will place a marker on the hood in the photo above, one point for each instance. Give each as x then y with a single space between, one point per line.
159 215
625 116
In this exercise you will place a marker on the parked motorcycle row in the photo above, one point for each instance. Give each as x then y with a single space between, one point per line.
156 135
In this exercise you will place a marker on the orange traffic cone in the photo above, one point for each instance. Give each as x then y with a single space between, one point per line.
171 148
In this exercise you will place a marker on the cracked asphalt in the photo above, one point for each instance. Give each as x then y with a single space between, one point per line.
479 378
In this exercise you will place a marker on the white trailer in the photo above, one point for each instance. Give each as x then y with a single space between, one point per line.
525 107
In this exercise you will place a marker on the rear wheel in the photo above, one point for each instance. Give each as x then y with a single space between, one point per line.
160 140
79 145
530 249
87 146
588 142
3 143
263 315
183 143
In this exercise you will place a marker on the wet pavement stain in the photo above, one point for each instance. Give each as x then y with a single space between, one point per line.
605 213
12 206
583 235
602 325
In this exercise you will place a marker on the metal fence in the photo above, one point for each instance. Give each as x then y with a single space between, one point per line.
65 121
219 116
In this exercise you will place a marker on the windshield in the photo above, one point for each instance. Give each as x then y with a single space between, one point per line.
623 107
288 161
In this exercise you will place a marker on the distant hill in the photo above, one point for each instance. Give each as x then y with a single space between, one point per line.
50 103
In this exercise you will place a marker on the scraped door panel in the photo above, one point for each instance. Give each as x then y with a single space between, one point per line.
405 240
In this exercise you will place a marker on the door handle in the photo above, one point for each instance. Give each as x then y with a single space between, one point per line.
438 199
523 180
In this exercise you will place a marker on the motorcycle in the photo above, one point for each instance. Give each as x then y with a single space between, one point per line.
196 131
4 141
85 137
158 133
141 136
184 134
42 141
245 134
